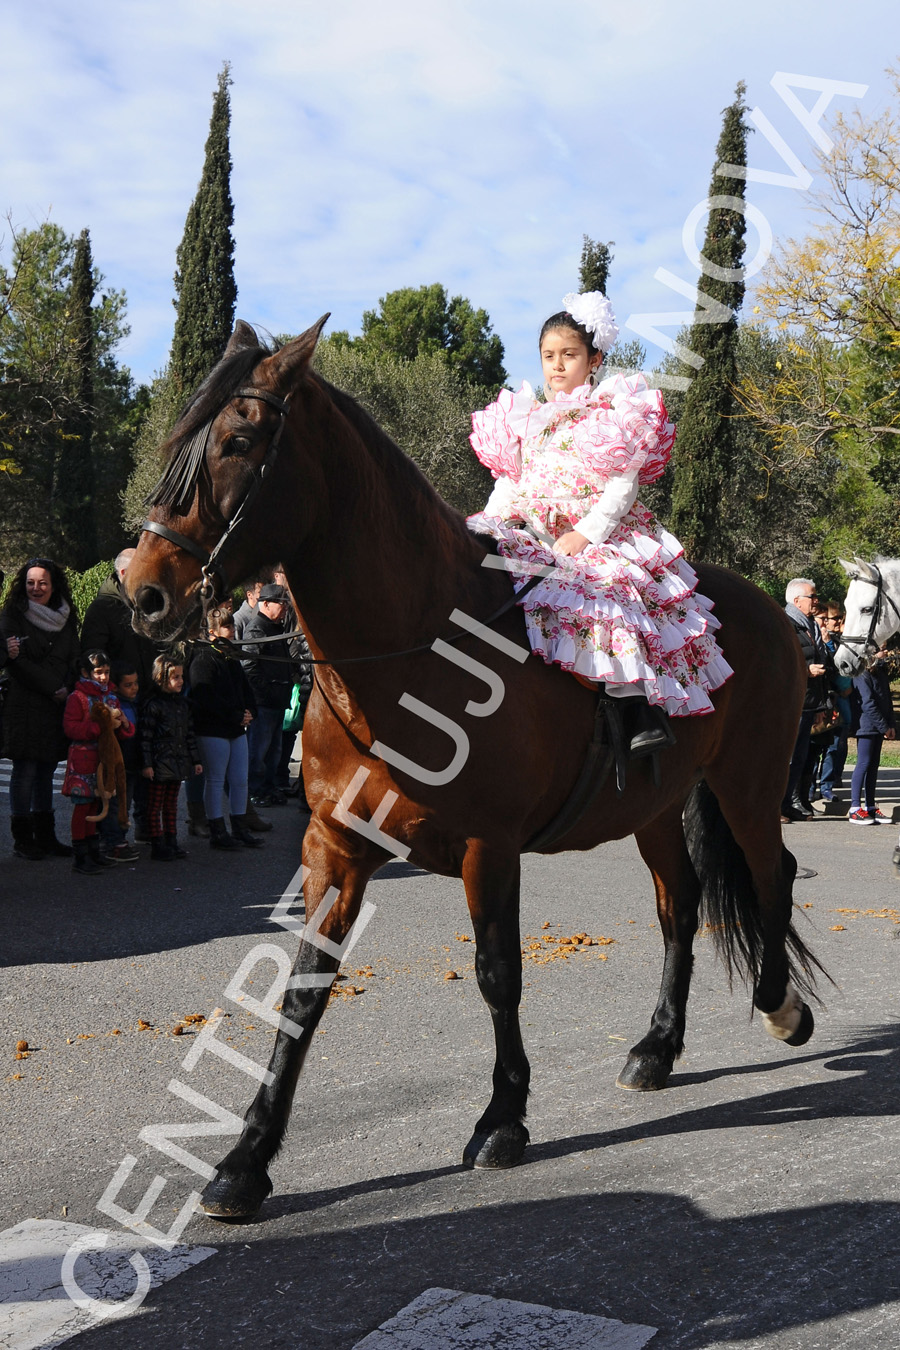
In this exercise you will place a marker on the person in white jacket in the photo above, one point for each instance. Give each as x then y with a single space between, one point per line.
620 605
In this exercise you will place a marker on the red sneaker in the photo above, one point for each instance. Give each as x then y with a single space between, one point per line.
860 817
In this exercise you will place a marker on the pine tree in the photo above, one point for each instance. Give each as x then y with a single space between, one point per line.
705 452
596 259
74 476
204 280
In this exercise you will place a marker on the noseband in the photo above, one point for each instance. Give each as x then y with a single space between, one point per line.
868 644
211 562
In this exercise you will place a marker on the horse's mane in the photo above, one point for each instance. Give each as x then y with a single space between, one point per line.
186 443
390 462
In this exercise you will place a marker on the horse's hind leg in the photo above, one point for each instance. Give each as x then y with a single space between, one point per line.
760 877
242 1181
492 892
663 849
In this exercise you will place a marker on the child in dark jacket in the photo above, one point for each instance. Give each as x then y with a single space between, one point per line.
873 722
113 839
80 782
169 753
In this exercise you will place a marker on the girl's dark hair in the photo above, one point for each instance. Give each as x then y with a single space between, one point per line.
564 320
163 667
97 657
17 600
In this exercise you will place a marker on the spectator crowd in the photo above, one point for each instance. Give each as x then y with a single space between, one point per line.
224 721
835 708
133 722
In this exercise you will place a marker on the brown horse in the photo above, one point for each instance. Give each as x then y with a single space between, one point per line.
403 753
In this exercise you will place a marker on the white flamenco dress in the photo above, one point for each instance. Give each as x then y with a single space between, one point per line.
625 610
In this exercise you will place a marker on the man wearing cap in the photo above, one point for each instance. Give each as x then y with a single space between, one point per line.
268 667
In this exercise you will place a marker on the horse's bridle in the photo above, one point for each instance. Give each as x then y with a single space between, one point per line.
211 561
868 643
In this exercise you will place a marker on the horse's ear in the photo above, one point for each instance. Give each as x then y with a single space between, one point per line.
850 568
295 356
865 569
242 337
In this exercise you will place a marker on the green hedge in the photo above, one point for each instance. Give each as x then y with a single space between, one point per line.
85 585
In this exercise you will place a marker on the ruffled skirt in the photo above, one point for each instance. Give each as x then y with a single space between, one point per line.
624 612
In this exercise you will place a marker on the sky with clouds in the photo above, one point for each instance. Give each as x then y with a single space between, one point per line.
470 142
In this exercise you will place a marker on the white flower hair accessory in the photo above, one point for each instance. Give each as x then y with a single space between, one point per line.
595 313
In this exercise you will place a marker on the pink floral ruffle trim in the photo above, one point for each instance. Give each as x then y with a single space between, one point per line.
622 613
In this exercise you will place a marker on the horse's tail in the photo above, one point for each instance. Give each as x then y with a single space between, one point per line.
728 900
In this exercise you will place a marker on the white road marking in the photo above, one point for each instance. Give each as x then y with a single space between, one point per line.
36 1312
445 1319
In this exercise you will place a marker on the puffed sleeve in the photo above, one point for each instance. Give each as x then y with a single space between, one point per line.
495 439
631 432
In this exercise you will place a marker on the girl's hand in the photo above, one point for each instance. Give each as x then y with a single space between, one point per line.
571 543
146 773
61 694
890 734
198 768
12 648
247 718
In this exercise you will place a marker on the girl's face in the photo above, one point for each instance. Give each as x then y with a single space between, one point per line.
38 586
99 674
566 361
176 680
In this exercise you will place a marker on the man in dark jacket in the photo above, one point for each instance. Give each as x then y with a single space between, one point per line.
269 671
800 595
107 627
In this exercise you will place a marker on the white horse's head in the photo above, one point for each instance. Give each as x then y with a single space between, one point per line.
872 614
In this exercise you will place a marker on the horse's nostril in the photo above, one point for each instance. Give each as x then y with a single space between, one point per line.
150 601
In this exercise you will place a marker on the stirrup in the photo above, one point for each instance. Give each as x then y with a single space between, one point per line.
653 730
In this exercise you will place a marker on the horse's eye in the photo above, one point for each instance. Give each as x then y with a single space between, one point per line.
239 445
867 609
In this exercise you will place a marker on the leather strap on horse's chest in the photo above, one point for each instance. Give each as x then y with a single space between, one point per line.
594 773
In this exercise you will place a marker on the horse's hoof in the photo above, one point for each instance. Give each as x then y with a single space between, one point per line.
502 1147
640 1073
804 1030
235 1197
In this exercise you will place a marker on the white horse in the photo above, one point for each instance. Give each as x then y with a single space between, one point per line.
872 611
872 616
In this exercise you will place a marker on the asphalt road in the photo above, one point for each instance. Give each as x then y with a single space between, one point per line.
753 1203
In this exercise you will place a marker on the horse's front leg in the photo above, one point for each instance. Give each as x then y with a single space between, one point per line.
492 891
664 850
337 880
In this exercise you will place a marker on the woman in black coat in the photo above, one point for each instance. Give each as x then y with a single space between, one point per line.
38 648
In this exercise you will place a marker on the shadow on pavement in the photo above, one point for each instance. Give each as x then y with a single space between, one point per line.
48 914
780 1272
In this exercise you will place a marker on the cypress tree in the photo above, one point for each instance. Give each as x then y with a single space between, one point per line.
705 452
596 259
204 280
74 478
